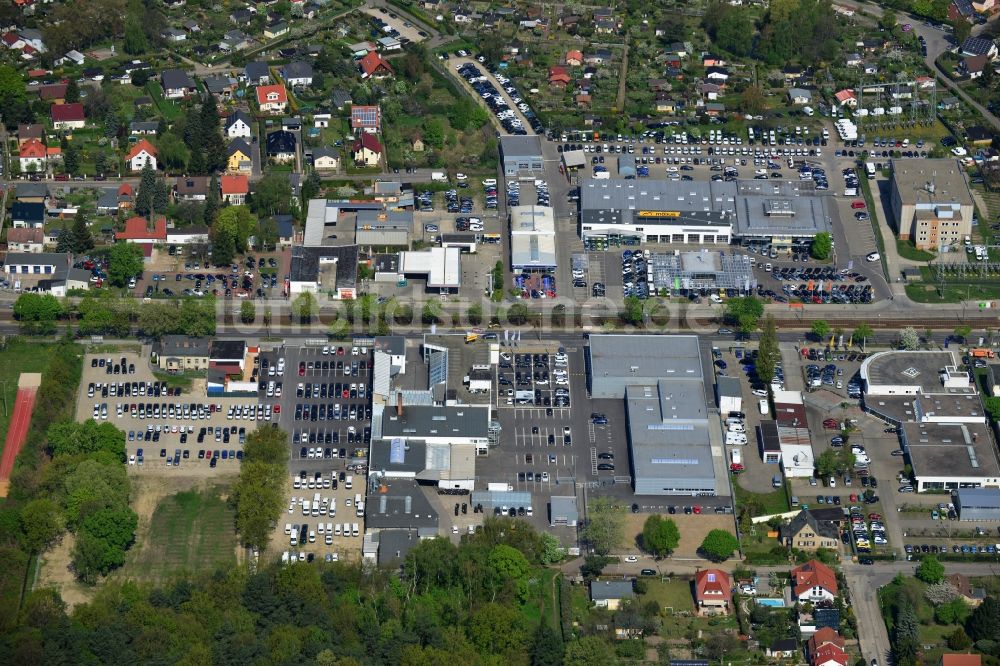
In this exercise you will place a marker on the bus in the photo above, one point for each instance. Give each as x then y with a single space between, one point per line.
870 170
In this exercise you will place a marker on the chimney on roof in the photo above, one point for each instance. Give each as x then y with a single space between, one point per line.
399 404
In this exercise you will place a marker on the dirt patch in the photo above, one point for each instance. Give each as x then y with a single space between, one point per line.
54 571
693 530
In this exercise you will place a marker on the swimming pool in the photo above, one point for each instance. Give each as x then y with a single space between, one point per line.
771 602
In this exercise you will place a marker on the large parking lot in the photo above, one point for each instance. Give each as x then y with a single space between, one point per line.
164 426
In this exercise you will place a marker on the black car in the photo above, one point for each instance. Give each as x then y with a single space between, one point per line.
648 572
866 561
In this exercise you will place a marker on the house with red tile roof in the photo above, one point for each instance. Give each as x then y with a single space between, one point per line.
574 58
374 66
713 591
139 230
559 77
846 97
826 648
142 152
272 99
234 188
367 150
814 581
961 660
33 156
23 239
68 116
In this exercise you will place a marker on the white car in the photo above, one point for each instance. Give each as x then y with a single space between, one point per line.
632 559
760 393
874 256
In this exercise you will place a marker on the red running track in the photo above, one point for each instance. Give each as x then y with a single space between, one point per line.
17 432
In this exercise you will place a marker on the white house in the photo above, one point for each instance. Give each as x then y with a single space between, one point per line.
142 153
238 125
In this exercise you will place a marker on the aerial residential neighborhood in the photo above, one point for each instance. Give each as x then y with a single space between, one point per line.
552 334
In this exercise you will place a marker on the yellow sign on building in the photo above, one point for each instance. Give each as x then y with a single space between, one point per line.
659 213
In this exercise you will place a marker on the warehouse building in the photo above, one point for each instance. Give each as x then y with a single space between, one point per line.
943 425
521 156
704 269
780 213
673 447
532 238
978 503
931 202
382 228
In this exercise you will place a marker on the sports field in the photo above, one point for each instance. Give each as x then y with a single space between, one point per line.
190 531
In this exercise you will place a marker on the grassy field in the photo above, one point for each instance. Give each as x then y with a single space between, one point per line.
953 292
674 594
189 531
766 503
18 356
907 250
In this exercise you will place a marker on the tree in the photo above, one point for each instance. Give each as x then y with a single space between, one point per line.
41 523
518 313
930 570
959 640
312 186
961 29
632 314
963 332
745 312
752 100
124 263
37 313
258 497
248 312
475 314
72 91
14 93
909 339
81 241
820 329
161 196
822 246
547 647
272 196
223 246
768 355
984 623
505 563
604 529
590 651
863 331
267 234
906 634
551 551
239 223
956 611
719 545
827 463
71 159
304 307
146 192
660 536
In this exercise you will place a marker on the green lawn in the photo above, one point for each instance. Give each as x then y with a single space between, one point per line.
766 503
19 356
675 594
907 250
167 108
954 292
190 531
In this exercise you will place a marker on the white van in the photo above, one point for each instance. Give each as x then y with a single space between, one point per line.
349 482
337 529
762 405
354 530
736 439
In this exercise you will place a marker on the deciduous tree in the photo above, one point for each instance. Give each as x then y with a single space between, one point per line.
719 545
660 535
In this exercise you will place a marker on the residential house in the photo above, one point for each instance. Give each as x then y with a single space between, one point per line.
782 648
272 99
610 593
191 26
238 125
340 98
53 92
243 17
366 118
716 74
925 82
257 73
326 159
68 116
28 132
417 144
813 581
792 73
141 154
191 188
949 103
238 157
234 40
112 200
177 84
178 353
366 150
972 595
280 146
558 77
574 58
973 66
374 66
961 9
826 648
286 230
234 188
222 86
32 156
72 56
582 100
139 230
846 98
605 25
711 60
799 96
143 127
24 239
714 109
853 59
30 192
709 91
25 215
806 532
598 57
975 46
952 659
275 30
173 35
978 135
310 11
665 104
33 39
713 591
297 74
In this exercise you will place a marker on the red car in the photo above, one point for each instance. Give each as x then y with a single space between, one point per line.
340 351
302 368
858 204
736 468
854 498
832 424
696 508
277 409
874 516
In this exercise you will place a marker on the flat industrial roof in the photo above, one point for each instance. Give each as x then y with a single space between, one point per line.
951 450
514 146
931 181
533 251
399 503
668 429
441 266
420 422
646 358
306 262
766 213
915 370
